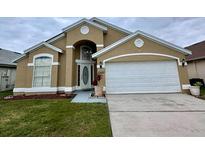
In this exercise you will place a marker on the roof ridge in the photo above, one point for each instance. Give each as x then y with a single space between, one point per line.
85 20
111 25
9 51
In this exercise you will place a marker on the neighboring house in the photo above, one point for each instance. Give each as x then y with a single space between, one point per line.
7 69
196 61
128 62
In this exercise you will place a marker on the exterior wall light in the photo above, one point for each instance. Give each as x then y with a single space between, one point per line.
100 63
183 62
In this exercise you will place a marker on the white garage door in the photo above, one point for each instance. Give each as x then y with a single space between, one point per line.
142 77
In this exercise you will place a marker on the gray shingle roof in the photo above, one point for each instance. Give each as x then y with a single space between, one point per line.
6 57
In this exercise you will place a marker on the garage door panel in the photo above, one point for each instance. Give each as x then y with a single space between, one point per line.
142 77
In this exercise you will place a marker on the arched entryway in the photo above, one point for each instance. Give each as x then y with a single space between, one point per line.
84 64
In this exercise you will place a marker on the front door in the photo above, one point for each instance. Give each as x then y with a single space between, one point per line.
85 76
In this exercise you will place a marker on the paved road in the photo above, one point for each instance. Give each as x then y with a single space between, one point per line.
156 115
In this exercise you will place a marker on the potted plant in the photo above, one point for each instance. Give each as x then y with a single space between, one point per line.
98 89
195 89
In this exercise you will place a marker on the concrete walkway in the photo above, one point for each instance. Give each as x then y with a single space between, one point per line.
85 97
157 115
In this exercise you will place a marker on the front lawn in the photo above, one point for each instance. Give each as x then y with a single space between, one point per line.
5 93
56 117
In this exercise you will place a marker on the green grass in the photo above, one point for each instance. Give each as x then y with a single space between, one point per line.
5 93
202 91
53 118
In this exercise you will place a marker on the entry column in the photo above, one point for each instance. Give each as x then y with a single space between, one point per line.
69 68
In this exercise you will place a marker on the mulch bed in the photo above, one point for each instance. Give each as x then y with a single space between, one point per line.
42 96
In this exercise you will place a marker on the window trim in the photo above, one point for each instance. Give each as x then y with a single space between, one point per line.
42 55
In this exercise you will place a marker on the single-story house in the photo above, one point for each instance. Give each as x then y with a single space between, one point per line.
7 69
127 62
196 61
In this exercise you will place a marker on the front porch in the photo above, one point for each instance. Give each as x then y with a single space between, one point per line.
85 68
84 96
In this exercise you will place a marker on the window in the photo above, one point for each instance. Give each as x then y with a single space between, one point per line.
42 72
86 53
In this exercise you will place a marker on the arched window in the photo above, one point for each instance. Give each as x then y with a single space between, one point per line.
42 71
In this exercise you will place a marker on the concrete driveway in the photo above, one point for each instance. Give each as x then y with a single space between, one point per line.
156 115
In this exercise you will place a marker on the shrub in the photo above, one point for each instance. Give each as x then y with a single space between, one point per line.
198 84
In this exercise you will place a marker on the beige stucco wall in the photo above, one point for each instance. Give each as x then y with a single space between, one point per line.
149 47
95 35
196 69
21 73
65 74
24 73
112 35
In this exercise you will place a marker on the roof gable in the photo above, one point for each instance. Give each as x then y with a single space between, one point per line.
31 49
148 36
110 25
43 44
198 51
80 22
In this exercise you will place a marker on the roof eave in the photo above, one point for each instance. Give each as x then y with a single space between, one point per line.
19 58
41 44
193 59
70 27
153 38
38 46
55 38
8 65
111 25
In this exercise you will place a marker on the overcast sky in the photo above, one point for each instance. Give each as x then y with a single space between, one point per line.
18 34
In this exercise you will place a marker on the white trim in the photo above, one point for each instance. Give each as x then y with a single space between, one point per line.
36 89
98 66
141 54
70 27
70 47
110 25
153 38
84 30
45 44
55 63
30 64
33 47
185 86
45 89
100 45
52 47
139 43
15 60
55 38
66 89
69 89
41 55
78 61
